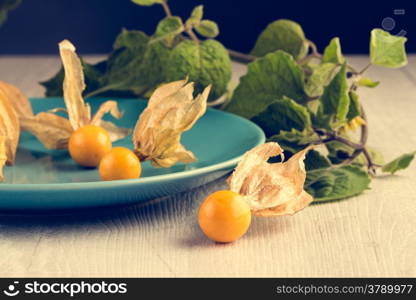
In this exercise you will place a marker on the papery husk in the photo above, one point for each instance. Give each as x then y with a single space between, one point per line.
116 133
9 128
170 111
110 106
3 156
79 113
13 104
74 85
51 130
16 98
271 189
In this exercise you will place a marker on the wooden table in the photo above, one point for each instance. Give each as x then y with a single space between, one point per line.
370 235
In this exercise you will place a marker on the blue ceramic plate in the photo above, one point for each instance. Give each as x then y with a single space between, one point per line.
44 179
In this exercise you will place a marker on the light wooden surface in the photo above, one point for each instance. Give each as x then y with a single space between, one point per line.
370 235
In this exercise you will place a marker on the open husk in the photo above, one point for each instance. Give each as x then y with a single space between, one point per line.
271 189
170 111
3 156
73 86
9 132
16 98
53 130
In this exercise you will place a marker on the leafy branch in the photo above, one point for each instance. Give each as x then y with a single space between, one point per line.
296 94
301 97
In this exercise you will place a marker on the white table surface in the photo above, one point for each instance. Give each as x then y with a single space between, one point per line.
373 234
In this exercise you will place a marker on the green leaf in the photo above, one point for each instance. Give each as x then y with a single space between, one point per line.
335 100
367 82
5 7
132 39
142 72
117 73
207 28
268 78
387 50
204 63
168 29
315 160
139 63
400 163
53 85
333 53
354 109
147 2
92 74
196 16
376 157
332 184
283 114
319 119
294 140
283 35
135 66
319 79
338 152
127 46
3 17
124 70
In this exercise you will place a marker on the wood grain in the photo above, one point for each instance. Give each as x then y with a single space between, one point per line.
369 235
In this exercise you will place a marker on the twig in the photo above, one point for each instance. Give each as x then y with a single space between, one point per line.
166 8
241 57
192 35
365 69
358 148
344 141
315 52
221 100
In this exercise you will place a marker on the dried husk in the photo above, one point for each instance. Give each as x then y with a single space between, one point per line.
51 130
74 85
170 111
110 106
3 156
16 98
116 133
9 128
9 133
271 189
79 113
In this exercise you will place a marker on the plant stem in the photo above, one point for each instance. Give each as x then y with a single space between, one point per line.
140 156
241 57
364 136
365 69
166 8
221 100
358 148
332 136
315 52
192 35
100 90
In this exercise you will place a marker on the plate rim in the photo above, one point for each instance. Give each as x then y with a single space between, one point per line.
261 138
